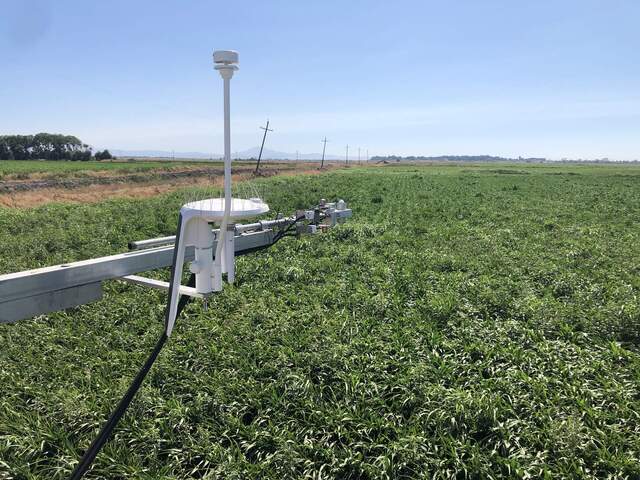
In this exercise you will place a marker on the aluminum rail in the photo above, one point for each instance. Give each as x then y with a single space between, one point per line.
239 229
43 290
152 242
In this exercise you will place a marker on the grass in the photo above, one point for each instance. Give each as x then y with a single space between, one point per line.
9 167
50 166
469 322
11 170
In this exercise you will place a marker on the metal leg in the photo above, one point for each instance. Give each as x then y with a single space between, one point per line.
176 278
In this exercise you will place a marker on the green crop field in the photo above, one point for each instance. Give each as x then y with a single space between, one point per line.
9 167
468 322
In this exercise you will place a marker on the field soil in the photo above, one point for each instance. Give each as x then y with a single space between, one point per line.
37 188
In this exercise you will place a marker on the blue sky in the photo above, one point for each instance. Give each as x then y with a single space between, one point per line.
544 78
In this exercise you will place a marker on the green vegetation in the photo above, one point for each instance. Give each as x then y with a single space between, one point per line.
44 146
469 322
10 167
103 155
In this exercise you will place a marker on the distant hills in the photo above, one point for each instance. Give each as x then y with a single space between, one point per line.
244 154
275 155
162 154
268 154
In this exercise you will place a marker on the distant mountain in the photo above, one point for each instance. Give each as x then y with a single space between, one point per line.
244 154
275 155
164 154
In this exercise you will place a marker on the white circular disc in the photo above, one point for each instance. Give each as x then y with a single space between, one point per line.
213 208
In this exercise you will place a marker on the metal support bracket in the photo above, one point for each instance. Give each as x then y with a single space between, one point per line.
161 285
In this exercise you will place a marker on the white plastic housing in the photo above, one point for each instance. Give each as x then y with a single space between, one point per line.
195 230
212 209
226 57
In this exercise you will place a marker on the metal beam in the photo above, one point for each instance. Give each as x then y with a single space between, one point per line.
43 290
58 280
239 229
28 307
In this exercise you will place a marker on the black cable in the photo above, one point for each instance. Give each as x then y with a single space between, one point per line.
104 435
276 238
285 230
293 235
102 438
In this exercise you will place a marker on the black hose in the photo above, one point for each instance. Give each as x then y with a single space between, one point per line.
104 435
285 230
102 438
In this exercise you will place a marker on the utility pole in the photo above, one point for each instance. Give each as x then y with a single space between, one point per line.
264 137
358 155
367 155
324 147
346 157
297 156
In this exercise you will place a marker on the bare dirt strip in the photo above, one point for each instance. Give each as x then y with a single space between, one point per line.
32 192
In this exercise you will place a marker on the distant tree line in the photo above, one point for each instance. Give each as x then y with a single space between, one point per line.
47 146
453 158
103 155
488 158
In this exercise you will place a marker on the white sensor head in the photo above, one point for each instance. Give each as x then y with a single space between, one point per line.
225 57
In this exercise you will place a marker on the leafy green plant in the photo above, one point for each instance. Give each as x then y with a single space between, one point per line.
458 328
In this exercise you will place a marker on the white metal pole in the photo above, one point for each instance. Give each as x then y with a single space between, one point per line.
218 268
227 144
221 249
226 64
